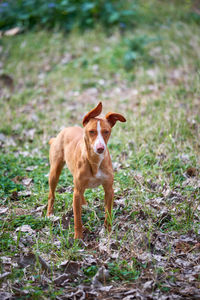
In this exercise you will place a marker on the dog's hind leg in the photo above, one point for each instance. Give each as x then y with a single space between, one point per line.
54 175
57 164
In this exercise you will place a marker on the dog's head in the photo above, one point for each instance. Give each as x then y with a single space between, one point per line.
98 130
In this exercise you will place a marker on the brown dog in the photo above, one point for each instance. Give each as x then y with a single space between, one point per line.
86 154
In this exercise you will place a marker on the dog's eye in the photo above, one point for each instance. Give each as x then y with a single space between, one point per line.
92 132
106 132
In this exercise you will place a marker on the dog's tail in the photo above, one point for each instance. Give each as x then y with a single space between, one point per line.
51 140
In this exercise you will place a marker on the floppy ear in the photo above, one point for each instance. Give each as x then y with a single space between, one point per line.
92 114
113 118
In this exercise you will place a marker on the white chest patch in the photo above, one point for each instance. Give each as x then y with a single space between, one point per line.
100 175
97 180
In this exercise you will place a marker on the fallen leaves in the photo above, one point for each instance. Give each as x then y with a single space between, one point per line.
5 296
27 181
25 228
101 278
4 275
184 247
3 210
191 171
145 254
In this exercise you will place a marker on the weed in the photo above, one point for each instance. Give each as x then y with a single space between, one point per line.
137 52
6 242
90 271
26 220
122 271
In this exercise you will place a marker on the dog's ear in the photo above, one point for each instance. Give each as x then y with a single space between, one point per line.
92 114
113 118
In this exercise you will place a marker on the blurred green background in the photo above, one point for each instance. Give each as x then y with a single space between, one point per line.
68 14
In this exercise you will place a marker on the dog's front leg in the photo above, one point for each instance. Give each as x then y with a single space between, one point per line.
77 208
109 194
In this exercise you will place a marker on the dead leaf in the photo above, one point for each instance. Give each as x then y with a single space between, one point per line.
31 168
189 290
30 259
40 208
182 247
5 296
103 245
182 263
191 171
101 277
72 267
12 32
44 264
148 285
17 179
5 260
29 134
3 210
27 181
105 288
25 228
60 279
26 260
53 218
24 193
18 211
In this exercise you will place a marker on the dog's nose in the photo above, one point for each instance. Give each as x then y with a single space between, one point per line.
100 149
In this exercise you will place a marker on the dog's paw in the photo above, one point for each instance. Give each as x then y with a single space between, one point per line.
78 234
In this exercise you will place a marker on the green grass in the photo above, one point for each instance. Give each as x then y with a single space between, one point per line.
123 272
151 76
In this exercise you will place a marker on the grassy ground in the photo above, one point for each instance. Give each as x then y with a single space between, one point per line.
49 81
